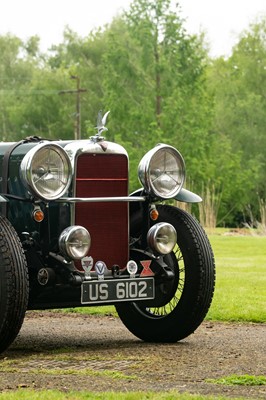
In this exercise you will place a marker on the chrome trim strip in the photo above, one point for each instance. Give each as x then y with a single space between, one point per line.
101 199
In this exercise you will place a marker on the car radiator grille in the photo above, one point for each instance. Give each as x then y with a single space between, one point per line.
104 175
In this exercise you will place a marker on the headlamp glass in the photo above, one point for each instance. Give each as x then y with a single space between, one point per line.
46 171
162 171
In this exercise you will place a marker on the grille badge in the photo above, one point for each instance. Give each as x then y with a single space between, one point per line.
87 264
100 268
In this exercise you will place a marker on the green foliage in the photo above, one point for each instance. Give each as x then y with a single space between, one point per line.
15 75
238 86
154 82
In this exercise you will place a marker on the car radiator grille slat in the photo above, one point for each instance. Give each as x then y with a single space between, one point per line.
104 175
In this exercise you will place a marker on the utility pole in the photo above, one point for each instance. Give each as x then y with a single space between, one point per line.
77 91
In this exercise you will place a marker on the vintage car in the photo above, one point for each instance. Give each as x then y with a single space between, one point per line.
71 235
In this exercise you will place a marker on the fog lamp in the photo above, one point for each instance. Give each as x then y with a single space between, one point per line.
162 237
75 242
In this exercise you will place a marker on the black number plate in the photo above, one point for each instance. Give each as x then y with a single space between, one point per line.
117 290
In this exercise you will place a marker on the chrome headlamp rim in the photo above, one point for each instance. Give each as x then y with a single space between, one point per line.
26 172
74 242
144 171
162 238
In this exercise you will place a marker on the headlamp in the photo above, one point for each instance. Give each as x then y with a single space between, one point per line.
46 171
162 171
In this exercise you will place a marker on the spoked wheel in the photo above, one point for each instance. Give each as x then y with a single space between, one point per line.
181 303
14 284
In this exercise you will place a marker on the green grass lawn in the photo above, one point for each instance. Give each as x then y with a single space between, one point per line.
240 293
56 395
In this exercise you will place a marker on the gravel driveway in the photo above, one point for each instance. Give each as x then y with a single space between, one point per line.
75 352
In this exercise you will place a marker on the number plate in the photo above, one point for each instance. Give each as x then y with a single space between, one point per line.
117 290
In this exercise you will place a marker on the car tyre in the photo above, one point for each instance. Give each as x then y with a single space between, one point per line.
14 284
187 299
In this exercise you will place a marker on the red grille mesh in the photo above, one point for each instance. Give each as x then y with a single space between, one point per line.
104 175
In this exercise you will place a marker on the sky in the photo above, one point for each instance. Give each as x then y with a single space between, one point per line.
221 20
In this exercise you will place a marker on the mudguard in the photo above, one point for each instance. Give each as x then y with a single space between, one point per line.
184 196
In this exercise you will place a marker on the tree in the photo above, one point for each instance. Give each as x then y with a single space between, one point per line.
160 86
82 57
154 79
16 73
238 85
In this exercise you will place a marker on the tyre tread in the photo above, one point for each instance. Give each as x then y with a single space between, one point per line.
191 308
14 284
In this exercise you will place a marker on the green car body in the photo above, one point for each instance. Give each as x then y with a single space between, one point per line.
72 235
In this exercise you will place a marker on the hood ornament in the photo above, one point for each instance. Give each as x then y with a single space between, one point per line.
101 121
